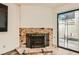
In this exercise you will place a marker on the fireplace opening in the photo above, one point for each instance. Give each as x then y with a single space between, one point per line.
37 40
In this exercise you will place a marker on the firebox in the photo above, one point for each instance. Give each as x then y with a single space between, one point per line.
38 40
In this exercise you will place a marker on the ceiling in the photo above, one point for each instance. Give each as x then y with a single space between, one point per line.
52 5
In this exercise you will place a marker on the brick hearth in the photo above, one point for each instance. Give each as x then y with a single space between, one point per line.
24 31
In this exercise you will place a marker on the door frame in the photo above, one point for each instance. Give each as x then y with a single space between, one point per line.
58 31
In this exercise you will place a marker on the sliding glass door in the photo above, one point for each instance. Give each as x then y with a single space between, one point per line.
68 30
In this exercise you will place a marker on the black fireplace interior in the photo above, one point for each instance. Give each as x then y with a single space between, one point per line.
37 40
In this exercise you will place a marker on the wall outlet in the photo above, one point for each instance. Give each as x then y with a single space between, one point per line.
4 46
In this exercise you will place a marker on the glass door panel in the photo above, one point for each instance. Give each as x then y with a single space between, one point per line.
68 25
73 31
62 31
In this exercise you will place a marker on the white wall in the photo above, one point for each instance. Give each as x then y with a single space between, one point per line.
36 16
63 8
9 40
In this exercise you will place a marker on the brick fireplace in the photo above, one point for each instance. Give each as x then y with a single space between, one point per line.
36 38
